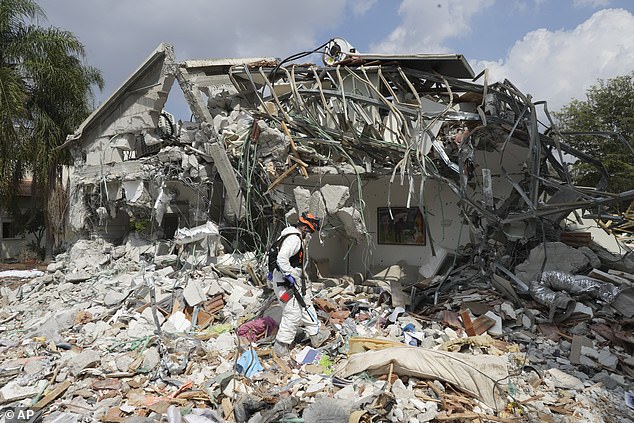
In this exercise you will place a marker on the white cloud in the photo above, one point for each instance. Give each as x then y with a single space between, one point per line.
591 3
360 7
561 65
120 35
427 24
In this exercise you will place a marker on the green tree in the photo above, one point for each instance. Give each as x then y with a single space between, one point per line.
45 93
608 108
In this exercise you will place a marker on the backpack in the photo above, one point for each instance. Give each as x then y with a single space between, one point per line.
274 249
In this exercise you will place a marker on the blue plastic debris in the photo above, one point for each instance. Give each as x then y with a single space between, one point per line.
249 364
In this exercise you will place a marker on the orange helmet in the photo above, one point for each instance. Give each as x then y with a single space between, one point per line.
311 221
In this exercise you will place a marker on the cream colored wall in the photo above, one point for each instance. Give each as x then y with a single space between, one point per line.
449 230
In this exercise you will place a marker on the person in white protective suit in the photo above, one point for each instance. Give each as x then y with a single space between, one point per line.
290 270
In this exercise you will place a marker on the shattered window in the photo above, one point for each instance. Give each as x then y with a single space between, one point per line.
9 230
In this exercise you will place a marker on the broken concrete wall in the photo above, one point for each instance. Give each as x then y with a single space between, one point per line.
125 128
470 157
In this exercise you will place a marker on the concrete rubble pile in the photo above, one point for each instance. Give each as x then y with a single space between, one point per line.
107 334
461 273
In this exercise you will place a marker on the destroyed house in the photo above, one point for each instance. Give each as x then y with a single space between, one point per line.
408 159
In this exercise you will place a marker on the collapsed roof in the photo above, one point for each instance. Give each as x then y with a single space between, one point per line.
467 153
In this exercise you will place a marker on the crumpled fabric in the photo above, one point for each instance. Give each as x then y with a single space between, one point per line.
259 328
249 364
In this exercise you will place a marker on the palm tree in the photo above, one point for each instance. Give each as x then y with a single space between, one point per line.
45 93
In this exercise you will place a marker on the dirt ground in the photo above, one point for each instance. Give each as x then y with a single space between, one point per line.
23 266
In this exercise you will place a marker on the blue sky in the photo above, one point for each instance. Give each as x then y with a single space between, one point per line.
552 49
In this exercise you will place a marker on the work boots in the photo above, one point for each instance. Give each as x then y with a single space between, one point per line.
281 349
318 340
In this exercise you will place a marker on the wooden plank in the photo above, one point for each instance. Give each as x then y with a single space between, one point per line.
469 415
281 364
303 165
227 409
466 321
482 324
281 178
576 239
622 274
606 277
253 275
478 326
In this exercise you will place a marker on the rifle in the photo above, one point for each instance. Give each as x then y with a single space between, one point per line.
294 292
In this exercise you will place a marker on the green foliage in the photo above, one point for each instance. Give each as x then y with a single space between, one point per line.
609 107
140 226
45 93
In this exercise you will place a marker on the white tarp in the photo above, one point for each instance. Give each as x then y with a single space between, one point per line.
189 235
474 374
21 273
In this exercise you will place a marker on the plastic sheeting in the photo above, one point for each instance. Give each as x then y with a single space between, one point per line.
483 376
189 235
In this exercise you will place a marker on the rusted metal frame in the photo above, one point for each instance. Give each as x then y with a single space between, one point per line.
343 92
247 72
534 146
503 170
563 171
296 98
377 91
561 207
409 111
603 182
274 95
395 100
320 91
558 184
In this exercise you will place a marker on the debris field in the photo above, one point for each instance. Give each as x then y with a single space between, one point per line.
459 270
